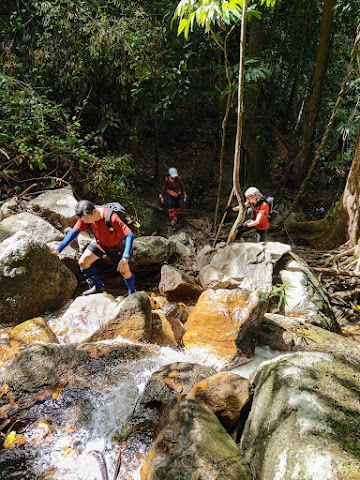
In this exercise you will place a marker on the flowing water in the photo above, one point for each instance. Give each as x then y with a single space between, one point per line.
70 436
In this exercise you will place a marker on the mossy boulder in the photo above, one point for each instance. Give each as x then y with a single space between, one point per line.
193 445
304 421
32 280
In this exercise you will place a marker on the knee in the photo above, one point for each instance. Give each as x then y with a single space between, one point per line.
84 263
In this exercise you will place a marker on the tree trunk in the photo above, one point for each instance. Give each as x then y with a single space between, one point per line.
344 225
348 206
236 170
304 45
303 158
255 167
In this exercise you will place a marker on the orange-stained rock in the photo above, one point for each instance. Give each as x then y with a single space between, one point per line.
8 353
225 323
179 311
225 394
157 301
161 331
33 332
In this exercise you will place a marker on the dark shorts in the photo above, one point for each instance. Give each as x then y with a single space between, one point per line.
173 202
114 253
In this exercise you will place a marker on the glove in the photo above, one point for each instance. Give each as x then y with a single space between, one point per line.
243 227
227 209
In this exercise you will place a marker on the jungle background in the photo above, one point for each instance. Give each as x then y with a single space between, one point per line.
106 96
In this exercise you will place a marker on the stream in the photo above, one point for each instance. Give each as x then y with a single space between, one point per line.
79 430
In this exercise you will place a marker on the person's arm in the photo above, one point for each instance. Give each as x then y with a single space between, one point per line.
69 237
182 188
257 220
129 239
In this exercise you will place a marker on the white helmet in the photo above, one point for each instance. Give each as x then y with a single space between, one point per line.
173 172
253 192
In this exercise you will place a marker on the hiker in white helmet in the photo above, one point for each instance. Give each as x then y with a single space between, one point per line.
173 188
260 214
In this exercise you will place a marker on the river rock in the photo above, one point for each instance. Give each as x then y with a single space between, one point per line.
32 280
161 330
292 334
185 247
226 394
304 420
133 321
41 230
84 316
32 332
193 445
225 323
152 251
244 265
57 206
177 285
77 364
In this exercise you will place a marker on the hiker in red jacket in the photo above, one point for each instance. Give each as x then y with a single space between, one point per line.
116 242
260 213
174 189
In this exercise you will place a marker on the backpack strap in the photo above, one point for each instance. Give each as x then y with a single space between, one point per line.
109 211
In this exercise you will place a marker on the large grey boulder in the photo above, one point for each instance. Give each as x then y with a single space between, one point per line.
84 316
57 206
32 280
293 334
132 322
153 250
40 229
77 364
304 420
244 265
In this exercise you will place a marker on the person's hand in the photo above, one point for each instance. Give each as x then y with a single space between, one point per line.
161 198
123 266
185 199
236 209
54 251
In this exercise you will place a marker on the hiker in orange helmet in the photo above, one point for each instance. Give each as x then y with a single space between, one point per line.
260 214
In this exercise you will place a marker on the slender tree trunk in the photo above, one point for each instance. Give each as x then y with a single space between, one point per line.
156 136
304 45
224 49
303 159
255 169
240 115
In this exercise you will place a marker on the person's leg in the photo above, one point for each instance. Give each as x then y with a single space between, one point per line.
115 255
261 235
177 209
86 262
171 209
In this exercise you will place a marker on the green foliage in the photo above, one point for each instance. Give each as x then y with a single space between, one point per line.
206 13
35 133
108 179
37 136
279 292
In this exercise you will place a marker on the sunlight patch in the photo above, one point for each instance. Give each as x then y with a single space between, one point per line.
310 414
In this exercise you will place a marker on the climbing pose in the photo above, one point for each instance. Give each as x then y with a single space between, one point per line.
174 189
260 214
116 242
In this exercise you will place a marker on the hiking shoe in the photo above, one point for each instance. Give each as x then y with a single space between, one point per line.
93 289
